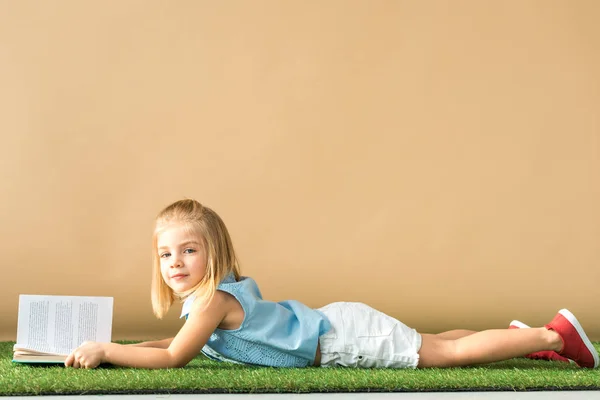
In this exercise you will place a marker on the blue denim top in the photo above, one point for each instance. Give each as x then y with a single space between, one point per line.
283 334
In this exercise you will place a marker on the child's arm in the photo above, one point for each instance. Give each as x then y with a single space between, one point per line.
201 323
159 344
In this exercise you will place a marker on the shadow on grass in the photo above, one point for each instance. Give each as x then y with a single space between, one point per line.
507 366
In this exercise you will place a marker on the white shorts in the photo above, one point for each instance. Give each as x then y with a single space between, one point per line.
363 337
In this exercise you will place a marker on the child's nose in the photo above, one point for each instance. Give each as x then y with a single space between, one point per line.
176 262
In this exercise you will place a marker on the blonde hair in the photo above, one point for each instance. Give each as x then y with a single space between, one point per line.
220 256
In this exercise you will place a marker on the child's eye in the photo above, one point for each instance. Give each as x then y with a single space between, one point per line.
165 255
188 251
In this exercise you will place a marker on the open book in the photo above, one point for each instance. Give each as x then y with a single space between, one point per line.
50 327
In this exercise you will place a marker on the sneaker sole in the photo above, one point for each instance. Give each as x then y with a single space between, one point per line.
571 318
519 324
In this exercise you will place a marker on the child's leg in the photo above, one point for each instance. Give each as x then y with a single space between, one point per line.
486 346
455 334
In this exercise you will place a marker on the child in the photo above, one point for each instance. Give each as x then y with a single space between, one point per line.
227 319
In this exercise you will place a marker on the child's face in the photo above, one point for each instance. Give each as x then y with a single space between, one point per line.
182 258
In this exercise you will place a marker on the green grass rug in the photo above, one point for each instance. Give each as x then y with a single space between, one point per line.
206 376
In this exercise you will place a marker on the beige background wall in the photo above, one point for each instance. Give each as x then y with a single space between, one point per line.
437 160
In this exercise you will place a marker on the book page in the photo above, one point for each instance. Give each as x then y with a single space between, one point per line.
59 324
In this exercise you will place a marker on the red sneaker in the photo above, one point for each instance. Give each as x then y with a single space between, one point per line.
576 344
548 355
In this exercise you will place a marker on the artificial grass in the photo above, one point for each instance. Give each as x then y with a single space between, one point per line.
205 376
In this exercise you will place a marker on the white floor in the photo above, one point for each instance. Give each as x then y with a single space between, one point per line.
566 395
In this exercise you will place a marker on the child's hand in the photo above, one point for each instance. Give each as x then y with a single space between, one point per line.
88 355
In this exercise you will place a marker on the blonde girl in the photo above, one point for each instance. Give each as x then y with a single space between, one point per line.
228 320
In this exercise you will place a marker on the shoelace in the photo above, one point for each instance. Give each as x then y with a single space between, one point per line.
543 355
547 355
